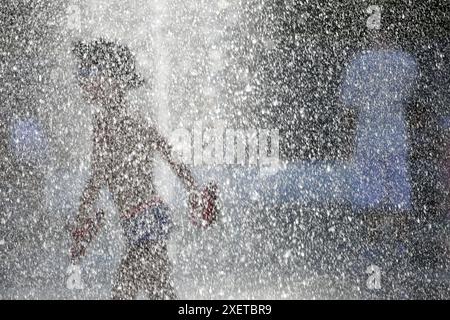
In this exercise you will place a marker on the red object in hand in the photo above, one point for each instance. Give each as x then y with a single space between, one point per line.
204 209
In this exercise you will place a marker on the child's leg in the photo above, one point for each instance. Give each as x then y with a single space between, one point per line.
156 277
126 285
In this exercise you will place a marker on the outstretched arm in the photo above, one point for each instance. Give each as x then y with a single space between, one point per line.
203 204
181 170
87 222
96 180
88 198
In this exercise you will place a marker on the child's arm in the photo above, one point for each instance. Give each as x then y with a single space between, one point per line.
181 170
88 198
87 222
96 180
204 200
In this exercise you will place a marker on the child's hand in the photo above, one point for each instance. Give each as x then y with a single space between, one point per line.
204 207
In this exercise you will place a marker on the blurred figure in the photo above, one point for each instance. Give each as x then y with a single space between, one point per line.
123 161
379 82
24 151
28 141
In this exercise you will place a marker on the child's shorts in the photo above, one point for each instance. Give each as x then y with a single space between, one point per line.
150 222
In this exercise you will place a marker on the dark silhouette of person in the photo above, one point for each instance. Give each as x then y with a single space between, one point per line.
123 161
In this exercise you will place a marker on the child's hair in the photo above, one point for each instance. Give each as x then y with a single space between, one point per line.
111 59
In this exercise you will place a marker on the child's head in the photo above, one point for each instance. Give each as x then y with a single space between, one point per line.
106 70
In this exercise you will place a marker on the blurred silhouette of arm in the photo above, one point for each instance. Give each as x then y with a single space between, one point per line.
96 179
161 144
